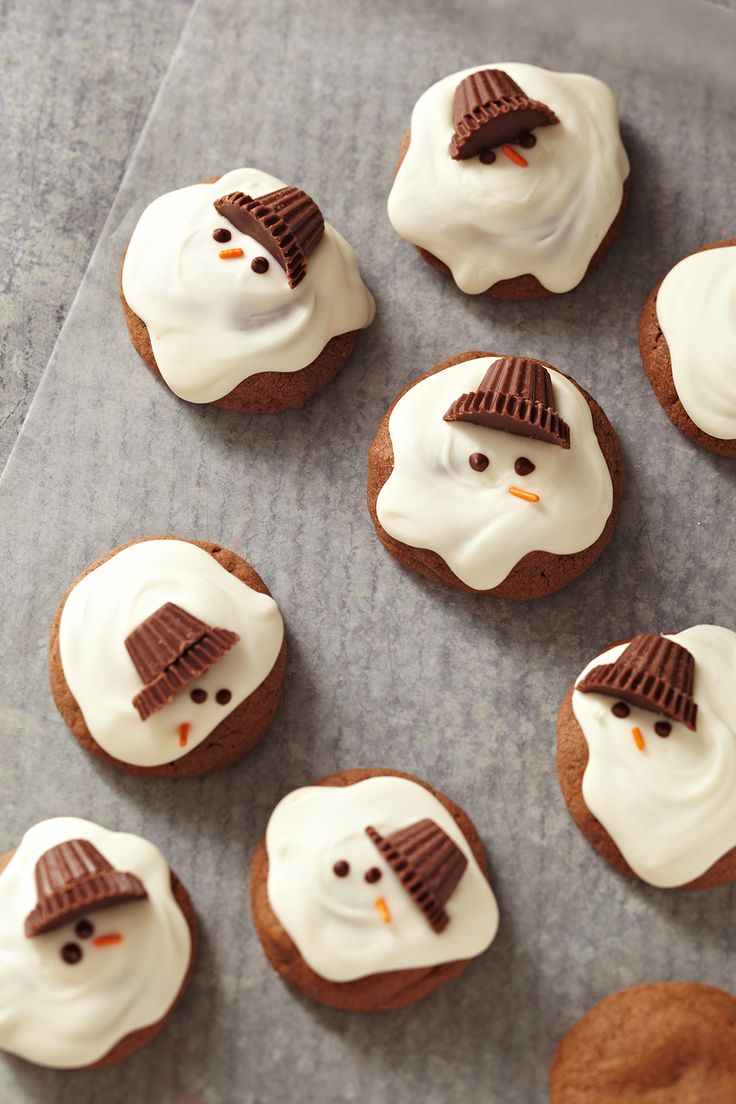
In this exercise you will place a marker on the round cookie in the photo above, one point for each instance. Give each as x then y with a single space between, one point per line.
237 293
97 943
669 1042
687 339
646 756
370 889
167 657
496 475
497 156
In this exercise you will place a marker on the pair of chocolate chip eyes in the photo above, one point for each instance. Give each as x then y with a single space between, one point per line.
342 869
198 696
72 952
259 264
621 709
479 462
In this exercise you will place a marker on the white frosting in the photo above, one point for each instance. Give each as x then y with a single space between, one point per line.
113 599
62 1015
696 310
334 921
213 322
669 809
433 498
493 222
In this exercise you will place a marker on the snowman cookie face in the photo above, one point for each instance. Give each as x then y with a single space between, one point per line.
661 780
483 498
76 980
345 882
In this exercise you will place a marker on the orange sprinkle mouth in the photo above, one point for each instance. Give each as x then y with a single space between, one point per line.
512 156
528 496
228 254
383 909
638 739
184 730
107 940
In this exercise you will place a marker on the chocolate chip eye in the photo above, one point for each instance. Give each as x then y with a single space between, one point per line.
259 264
198 695
341 868
663 728
524 466
71 953
478 461
222 697
221 234
527 141
83 929
620 709
373 875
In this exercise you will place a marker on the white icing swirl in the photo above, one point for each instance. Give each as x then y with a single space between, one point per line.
62 1015
670 809
117 596
334 921
214 323
493 222
696 311
433 498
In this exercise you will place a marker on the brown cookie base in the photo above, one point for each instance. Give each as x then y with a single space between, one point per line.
572 759
665 1043
538 573
129 1044
526 286
655 356
233 738
378 992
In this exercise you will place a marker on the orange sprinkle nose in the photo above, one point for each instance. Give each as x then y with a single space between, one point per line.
109 940
228 254
383 909
638 739
513 155
184 730
528 496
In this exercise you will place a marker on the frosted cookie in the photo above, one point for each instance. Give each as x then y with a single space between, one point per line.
646 756
97 941
687 339
512 179
497 475
671 1042
370 889
167 657
239 293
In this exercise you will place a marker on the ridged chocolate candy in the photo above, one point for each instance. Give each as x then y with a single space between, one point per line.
287 222
489 110
73 878
428 864
515 396
654 673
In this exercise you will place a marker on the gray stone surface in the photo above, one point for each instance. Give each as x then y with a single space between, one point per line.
78 80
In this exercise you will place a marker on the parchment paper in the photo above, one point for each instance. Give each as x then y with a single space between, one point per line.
384 669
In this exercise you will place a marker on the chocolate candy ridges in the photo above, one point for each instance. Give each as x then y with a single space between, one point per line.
489 110
515 396
654 673
170 649
287 222
74 878
428 864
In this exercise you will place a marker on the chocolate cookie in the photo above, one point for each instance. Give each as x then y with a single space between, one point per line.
665 1043
404 855
140 677
507 479
254 311
693 298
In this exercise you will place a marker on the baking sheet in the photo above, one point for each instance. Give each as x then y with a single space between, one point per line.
384 668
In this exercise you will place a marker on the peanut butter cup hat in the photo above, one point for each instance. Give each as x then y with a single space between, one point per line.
515 395
654 673
287 222
489 110
170 649
428 864
74 878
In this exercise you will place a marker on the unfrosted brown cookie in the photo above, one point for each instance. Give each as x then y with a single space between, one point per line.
538 573
655 357
233 737
378 992
665 1043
